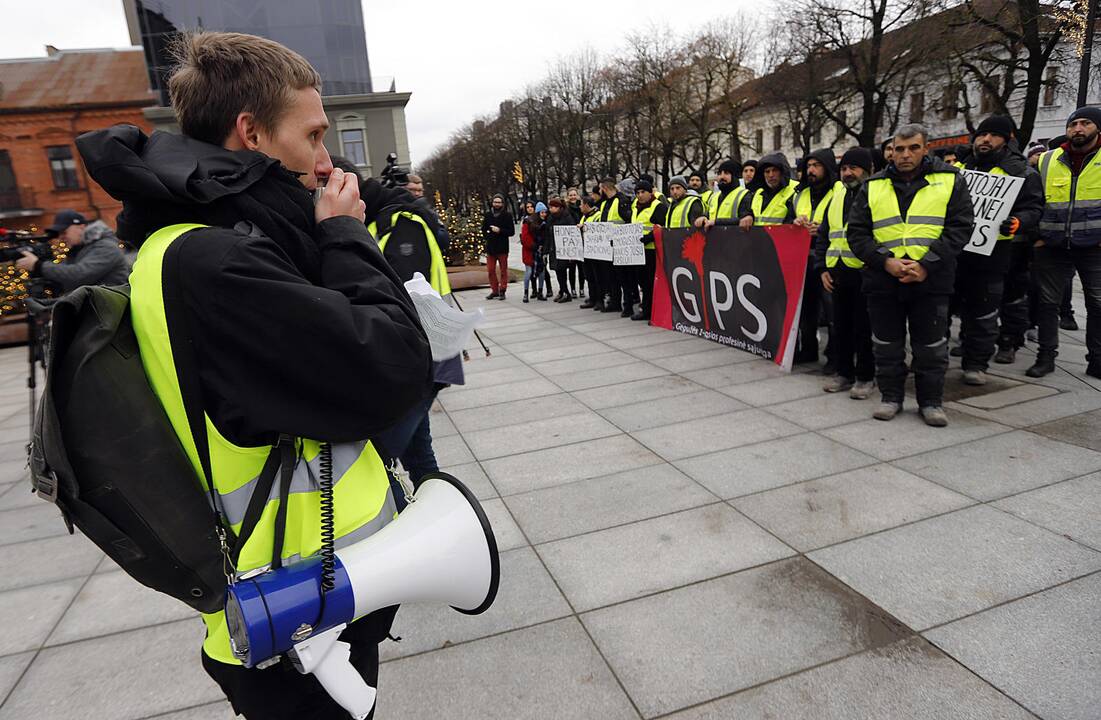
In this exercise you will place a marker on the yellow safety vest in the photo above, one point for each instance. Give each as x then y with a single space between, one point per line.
645 217
705 197
839 241
438 272
1072 207
361 488
678 213
804 206
776 211
611 212
594 216
992 171
924 223
728 206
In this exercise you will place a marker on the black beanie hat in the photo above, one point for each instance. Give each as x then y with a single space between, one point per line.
749 163
857 157
1093 114
997 125
729 166
644 184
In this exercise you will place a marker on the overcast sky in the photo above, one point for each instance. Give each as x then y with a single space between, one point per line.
459 59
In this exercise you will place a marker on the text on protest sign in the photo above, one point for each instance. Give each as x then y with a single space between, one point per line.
993 197
568 243
598 242
627 246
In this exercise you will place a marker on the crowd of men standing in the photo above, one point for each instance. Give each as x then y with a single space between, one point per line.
889 227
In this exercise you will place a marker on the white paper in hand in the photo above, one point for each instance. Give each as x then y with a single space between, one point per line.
448 328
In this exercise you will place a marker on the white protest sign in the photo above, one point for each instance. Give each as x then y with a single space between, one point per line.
627 247
993 197
598 243
568 243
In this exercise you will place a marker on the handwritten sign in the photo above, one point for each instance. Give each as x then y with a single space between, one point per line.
598 241
627 247
568 244
993 197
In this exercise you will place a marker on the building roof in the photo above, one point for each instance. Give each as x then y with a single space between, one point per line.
74 79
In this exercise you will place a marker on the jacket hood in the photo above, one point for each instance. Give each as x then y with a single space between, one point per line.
96 231
778 160
826 157
166 179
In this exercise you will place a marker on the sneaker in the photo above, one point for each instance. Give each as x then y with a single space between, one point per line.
934 416
836 384
492 295
501 297
974 377
1032 335
862 389
1043 366
1067 322
887 410
1005 356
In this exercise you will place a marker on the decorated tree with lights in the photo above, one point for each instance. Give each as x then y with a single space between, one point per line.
465 228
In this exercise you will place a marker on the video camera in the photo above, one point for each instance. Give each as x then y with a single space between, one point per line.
392 175
14 242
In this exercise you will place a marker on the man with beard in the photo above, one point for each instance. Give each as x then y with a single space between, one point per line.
812 197
908 224
723 209
749 170
839 271
590 213
980 279
648 211
697 182
497 228
685 207
769 200
615 207
1070 237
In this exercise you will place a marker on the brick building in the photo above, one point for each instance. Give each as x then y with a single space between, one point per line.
45 103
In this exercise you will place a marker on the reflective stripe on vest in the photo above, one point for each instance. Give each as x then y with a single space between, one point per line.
804 206
678 213
777 210
924 223
727 208
361 491
839 241
438 281
1072 204
645 218
611 212
705 198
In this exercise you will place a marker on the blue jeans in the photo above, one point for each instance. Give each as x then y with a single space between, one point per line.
409 440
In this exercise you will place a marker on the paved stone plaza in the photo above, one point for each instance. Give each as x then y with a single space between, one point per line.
685 531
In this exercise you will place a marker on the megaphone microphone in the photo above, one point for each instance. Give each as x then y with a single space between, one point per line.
440 549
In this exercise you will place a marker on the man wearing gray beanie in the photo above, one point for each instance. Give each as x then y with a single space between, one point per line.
1070 237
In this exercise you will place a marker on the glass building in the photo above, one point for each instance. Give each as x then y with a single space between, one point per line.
328 33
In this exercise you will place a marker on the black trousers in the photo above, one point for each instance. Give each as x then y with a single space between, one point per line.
1054 269
925 316
596 292
282 693
627 279
1014 316
806 350
851 336
646 281
979 292
609 284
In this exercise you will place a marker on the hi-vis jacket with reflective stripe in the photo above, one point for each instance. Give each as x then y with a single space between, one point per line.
805 207
924 222
1072 211
836 225
680 215
438 272
645 217
361 491
615 210
725 207
777 210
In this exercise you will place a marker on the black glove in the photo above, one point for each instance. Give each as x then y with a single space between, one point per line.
1009 226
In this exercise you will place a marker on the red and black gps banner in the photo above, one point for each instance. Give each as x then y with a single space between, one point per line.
736 288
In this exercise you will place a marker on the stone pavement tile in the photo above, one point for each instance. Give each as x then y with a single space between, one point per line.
766 465
635 392
538 434
18 495
592 321
840 507
585 379
555 466
11 668
1044 410
504 376
1071 508
479 363
1042 650
703 360
31 613
707 640
551 670
1012 396
908 680
131 675
722 377
33 523
1084 430
628 561
943 568
441 424
706 435
542 331
634 342
506 415
113 602
13 468
568 366
15 448
505 530
18 434
826 410
663 411
551 343
602 502
211 711
41 561
677 344
907 434
451 450
527 596
776 390
1003 465
623 330
453 400
572 349
472 475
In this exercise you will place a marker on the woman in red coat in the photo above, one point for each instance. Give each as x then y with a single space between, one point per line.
529 229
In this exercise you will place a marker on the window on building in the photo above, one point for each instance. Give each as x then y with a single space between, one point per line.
353 147
917 107
9 191
949 102
62 167
760 140
777 137
989 102
1051 86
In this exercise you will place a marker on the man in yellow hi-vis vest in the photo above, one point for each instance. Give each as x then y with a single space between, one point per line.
907 225
769 200
302 333
812 197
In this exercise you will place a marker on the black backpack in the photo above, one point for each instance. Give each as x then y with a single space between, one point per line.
105 452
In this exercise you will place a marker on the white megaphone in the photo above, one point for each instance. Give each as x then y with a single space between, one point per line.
440 549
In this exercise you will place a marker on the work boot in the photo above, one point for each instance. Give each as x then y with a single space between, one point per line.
974 377
887 410
862 390
566 297
837 383
598 306
492 295
1005 356
525 296
934 416
1044 365
640 316
956 351
1067 322
613 308
1094 369
1032 335
626 312
540 296
501 296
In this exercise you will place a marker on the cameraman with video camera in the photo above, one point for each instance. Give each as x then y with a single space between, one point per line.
94 256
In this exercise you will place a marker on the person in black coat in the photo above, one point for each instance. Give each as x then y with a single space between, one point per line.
497 228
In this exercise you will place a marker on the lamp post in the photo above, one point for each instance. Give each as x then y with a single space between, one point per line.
1087 53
